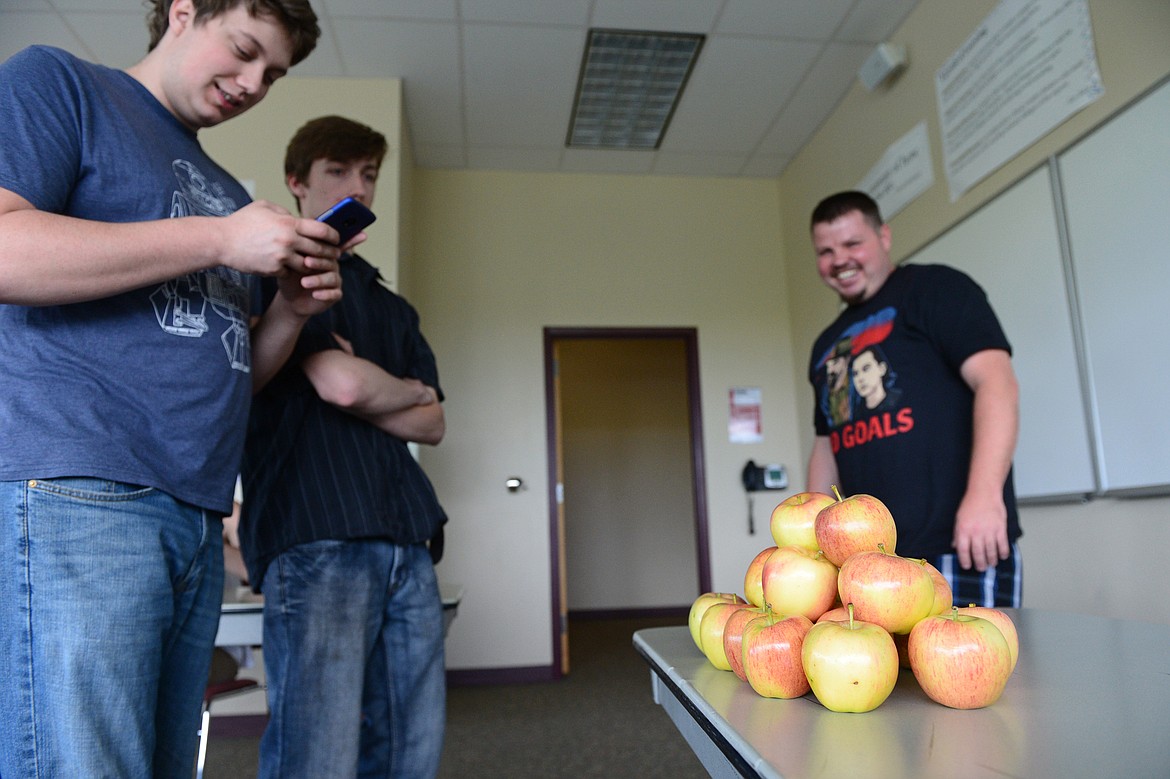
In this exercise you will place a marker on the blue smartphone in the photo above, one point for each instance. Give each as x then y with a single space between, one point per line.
348 217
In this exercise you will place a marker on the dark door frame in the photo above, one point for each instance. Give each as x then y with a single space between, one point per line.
690 338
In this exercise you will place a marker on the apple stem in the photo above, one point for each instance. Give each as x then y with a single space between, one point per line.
837 492
849 607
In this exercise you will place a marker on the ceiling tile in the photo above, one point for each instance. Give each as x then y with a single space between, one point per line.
490 158
519 84
807 19
816 98
434 10
19 30
676 163
105 35
874 21
594 161
657 15
563 12
733 93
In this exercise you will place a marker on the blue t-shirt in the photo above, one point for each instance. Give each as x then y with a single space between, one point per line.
150 386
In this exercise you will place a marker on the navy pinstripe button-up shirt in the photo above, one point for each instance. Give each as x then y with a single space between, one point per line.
313 472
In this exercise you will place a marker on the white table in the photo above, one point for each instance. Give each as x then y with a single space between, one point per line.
241 620
1089 697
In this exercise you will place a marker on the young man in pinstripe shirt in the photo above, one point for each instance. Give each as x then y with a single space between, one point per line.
340 526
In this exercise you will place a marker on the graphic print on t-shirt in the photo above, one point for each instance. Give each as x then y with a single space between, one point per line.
859 377
181 305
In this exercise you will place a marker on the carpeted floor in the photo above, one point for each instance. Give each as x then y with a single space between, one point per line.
599 721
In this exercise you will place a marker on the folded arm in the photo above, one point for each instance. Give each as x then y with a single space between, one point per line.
404 408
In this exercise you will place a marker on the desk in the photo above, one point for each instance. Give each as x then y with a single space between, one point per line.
241 618
1090 696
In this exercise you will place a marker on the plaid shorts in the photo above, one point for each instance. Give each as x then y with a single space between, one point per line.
1001 585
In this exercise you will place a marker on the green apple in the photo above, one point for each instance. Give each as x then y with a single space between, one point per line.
891 591
701 604
792 521
797 581
858 523
959 660
771 649
1001 621
851 665
711 628
753 580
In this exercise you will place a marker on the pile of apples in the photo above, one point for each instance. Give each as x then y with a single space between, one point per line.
832 608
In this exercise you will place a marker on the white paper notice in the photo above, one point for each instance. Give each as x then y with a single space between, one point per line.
1029 66
904 172
743 422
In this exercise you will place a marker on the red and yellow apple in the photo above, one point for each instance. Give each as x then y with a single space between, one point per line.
771 655
797 581
891 591
753 580
943 597
959 660
858 523
851 665
1001 621
733 637
838 613
711 628
700 605
792 521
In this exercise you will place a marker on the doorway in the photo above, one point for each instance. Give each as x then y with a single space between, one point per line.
627 503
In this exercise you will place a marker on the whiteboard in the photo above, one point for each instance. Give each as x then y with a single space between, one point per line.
1116 185
1011 247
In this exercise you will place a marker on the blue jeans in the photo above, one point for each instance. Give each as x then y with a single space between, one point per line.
109 602
353 652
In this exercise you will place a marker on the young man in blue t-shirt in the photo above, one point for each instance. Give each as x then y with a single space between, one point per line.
928 419
128 362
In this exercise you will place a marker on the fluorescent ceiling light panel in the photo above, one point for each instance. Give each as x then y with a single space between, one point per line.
629 86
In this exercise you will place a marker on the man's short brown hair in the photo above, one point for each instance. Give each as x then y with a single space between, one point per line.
332 138
836 206
295 16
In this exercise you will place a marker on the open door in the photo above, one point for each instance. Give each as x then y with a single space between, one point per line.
568 357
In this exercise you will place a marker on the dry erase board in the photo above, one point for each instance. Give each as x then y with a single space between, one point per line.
1011 248
1075 258
1116 185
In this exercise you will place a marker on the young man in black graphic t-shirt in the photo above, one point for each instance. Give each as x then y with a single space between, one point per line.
930 423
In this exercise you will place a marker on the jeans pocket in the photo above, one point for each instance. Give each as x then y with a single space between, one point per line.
87 488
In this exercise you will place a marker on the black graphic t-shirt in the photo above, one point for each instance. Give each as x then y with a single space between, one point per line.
891 400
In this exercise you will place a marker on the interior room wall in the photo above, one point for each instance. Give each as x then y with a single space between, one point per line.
629 511
1100 557
500 256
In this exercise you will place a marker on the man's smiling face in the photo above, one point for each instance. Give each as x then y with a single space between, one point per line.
853 257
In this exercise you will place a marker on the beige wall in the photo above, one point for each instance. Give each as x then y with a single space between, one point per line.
252 146
1099 557
502 256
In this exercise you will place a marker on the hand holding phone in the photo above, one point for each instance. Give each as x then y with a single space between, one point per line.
348 217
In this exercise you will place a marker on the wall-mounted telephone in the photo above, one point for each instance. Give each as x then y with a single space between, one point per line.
764 477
